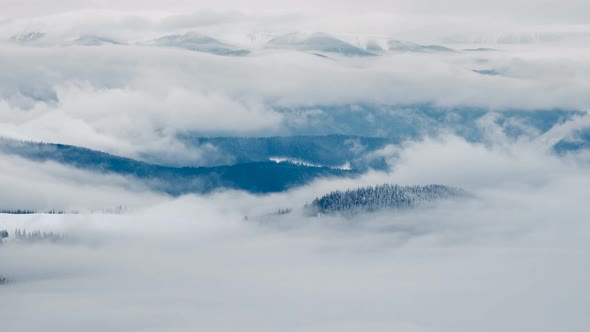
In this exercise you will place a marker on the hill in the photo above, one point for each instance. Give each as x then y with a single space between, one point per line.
371 199
256 177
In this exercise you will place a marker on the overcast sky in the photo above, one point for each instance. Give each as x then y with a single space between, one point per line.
543 10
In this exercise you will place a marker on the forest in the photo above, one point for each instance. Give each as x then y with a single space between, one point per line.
374 198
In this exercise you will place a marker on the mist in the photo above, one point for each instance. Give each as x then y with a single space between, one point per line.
515 250
489 98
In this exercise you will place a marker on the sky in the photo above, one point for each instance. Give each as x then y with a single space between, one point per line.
547 10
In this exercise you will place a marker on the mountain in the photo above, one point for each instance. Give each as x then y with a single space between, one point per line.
259 39
579 140
403 122
92 40
481 49
373 46
39 38
570 136
403 46
486 72
200 43
255 177
334 151
387 196
317 42
27 37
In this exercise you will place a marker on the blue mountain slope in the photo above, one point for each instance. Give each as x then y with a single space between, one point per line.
92 40
580 140
319 42
401 46
488 72
331 151
27 37
415 121
481 49
373 46
355 124
199 43
258 177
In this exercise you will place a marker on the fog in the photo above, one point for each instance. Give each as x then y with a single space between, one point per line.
137 100
511 257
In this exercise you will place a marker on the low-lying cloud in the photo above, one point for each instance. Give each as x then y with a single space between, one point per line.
135 100
512 257
517 248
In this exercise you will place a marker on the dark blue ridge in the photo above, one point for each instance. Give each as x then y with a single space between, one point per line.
580 140
254 177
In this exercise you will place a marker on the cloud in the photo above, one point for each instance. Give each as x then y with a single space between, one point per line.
518 249
49 186
136 99
539 10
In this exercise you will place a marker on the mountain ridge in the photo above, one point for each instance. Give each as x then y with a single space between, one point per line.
255 177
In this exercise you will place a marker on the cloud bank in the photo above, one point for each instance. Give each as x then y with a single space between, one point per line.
512 257
516 249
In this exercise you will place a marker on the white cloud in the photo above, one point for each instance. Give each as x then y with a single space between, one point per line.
135 99
49 186
517 249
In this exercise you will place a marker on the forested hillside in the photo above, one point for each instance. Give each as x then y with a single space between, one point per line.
370 199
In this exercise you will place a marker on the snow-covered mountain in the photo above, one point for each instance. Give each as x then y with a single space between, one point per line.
259 39
404 46
93 40
573 135
379 44
317 42
200 43
352 45
36 38
27 37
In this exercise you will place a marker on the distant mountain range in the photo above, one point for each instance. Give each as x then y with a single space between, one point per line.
399 123
92 40
401 46
318 43
200 43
